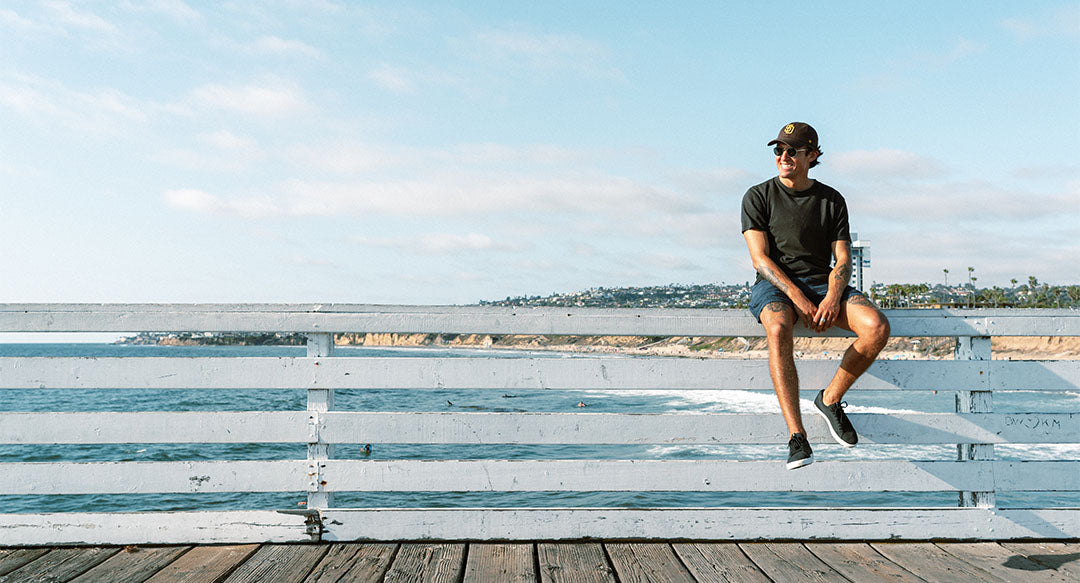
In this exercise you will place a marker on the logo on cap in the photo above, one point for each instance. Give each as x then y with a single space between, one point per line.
789 129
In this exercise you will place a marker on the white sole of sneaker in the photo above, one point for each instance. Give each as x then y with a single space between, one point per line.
828 425
800 463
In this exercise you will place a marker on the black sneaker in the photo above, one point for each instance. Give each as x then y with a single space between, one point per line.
799 452
839 425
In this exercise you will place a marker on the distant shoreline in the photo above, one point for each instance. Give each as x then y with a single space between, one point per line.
929 348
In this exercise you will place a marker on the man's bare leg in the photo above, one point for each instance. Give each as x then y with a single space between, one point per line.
861 316
779 321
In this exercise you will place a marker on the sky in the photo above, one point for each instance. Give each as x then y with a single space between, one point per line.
451 152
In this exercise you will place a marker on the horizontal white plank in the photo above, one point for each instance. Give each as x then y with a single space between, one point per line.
701 524
534 476
344 524
512 373
47 478
164 528
495 320
157 427
690 428
694 475
524 428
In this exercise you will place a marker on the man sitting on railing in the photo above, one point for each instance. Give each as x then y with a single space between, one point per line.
794 227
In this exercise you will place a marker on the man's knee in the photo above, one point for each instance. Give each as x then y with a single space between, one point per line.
876 330
778 319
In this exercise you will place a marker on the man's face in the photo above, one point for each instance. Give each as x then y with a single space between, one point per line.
792 163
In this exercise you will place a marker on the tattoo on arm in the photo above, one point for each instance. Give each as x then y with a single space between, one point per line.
773 278
842 273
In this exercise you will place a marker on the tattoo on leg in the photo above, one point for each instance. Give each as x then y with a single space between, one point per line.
860 300
775 306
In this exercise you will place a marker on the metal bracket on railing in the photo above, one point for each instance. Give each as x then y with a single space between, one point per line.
313 525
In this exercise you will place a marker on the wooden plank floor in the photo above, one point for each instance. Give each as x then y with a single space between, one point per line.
550 562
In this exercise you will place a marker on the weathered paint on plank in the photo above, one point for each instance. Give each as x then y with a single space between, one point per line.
123 528
204 564
647 563
155 427
354 562
520 428
502 562
11 559
791 563
1003 563
60 564
49 478
278 564
680 475
1063 557
131 565
700 524
497 319
933 564
428 563
689 428
492 373
860 563
43 478
719 563
573 563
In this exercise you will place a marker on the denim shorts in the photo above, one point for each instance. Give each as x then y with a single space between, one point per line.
764 293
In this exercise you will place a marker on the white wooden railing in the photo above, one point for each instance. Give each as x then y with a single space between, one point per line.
974 428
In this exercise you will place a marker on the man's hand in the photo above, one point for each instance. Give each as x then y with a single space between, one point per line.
805 310
825 315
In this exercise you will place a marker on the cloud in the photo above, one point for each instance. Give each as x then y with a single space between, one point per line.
66 14
204 203
437 244
884 164
346 157
393 79
974 201
1058 23
102 110
271 98
544 52
463 193
273 45
13 21
177 10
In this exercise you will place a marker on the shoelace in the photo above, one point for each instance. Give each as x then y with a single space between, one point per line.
838 408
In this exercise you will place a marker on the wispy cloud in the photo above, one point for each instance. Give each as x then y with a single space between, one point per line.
884 164
272 97
71 17
1059 22
437 244
277 46
102 110
545 52
177 10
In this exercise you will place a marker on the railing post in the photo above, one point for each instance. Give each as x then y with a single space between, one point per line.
974 348
318 401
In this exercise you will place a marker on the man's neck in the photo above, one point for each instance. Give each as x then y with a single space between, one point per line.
797 184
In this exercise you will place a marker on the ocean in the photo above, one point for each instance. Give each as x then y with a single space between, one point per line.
672 401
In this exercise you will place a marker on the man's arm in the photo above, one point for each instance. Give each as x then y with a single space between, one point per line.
758 243
829 310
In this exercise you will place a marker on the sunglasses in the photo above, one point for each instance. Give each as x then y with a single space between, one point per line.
792 152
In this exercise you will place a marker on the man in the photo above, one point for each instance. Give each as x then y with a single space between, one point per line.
795 227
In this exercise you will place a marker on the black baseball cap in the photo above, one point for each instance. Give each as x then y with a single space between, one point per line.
797 135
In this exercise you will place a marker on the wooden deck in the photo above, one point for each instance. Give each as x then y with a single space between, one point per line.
789 562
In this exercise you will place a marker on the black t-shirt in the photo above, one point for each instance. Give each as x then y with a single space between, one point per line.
801 226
